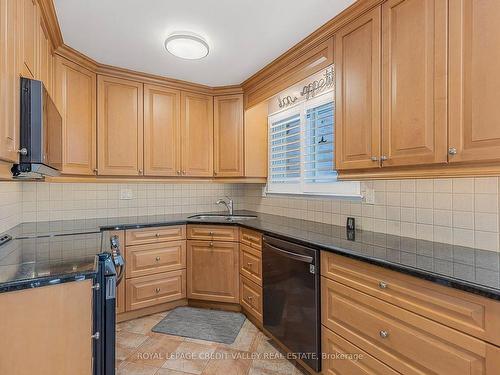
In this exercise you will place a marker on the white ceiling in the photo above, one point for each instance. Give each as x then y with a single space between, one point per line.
244 35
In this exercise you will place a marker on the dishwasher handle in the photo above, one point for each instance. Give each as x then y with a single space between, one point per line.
288 254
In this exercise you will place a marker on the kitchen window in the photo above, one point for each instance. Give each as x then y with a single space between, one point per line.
301 150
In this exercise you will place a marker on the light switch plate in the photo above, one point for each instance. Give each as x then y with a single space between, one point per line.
126 194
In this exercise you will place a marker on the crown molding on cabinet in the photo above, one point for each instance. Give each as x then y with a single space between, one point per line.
162 180
50 17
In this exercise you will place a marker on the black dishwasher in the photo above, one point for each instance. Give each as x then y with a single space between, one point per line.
291 298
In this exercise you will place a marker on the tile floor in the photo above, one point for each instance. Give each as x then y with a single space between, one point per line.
142 352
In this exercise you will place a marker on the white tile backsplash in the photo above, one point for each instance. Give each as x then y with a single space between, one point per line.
462 211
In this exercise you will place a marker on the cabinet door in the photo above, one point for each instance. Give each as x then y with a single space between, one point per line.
29 17
75 95
9 81
228 136
197 134
414 68
119 127
474 81
213 271
161 131
357 48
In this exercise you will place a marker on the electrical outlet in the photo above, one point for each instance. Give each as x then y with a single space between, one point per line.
126 194
369 196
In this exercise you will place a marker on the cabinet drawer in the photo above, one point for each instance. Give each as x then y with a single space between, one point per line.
475 315
251 297
149 259
407 342
251 238
251 264
155 289
212 233
157 234
359 362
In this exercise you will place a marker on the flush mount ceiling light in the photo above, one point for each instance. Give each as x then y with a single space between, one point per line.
187 46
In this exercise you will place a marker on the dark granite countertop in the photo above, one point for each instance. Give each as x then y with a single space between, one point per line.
47 260
473 270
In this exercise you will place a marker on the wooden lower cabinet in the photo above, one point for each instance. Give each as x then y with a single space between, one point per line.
156 234
213 271
466 312
407 342
212 233
251 264
160 257
251 297
343 358
47 330
120 297
155 289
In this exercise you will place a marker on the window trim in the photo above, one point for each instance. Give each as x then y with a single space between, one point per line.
347 189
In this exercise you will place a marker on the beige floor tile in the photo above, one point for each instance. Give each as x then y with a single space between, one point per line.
190 357
166 371
122 353
228 362
136 369
129 339
141 325
155 351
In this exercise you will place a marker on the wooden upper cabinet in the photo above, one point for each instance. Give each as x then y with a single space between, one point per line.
357 66
474 80
256 140
29 29
161 131
197 125
119 126
9 81
228 136
75 95
414 89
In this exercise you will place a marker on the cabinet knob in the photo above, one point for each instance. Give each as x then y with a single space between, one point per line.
374 158
249 265
178 173
157 235
249 298
215 173
95 171
383 158
211 244
140 171
211 233
384 334
183 173
157 290
382 285
158 259
452 151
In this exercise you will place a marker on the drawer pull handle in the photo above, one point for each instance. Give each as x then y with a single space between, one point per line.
382 285
384 334
158 259
249 265
157 290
